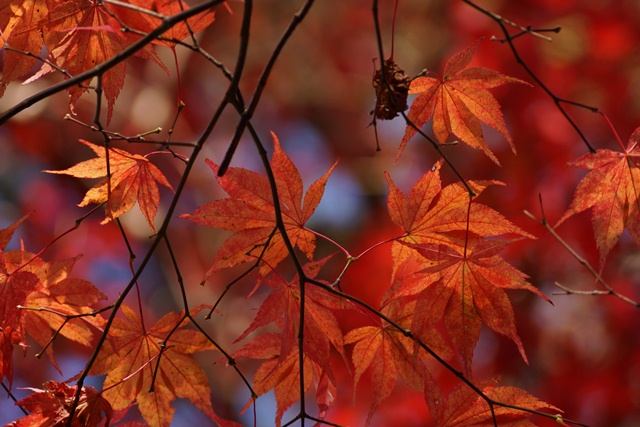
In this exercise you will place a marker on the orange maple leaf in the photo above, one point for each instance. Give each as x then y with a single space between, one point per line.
465 287
79 35
612 189
389 353
429 213
132 354
464 407
15 17
35 299
458 102
282 307
249 213
51 407
133 179
145 22
281 372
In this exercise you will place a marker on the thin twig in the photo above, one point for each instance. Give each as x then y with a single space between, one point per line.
609 289
508 38
10 394
262 83
166 24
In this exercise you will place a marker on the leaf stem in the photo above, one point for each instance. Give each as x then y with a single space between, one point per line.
615 133
393 30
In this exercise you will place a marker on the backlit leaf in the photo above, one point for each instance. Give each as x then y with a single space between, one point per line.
51 407
35 298
249 213
458 103
612 191
131 356
280 372
464 407
430 213
466 289
15 17
133 179
282 307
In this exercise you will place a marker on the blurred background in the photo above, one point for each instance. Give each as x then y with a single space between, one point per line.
584 352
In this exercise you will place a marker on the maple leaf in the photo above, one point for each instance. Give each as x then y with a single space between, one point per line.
430 213
10 297
458 102
249 213
79 35
389 354
145 22
15 16
464 407
465 287
37 298
131 355
281 372
612 189
51 407
133 179
282 306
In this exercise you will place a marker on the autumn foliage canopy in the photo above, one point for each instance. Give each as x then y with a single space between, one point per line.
253 285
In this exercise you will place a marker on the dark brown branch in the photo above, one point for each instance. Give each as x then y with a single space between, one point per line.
167 23
10 394
262 83
407 333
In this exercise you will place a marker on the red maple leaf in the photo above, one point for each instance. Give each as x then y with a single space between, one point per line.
249 213
130 358
464 407
133 179
10 298
36 298
282 307
281 373
388 353
145 22
15 17
52 407
430 213
612 189
465 287
458 102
